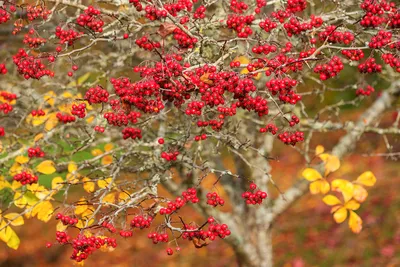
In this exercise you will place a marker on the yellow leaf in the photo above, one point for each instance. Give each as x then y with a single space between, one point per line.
123 197
367 178
46 167
325 187
108 147
104 183
21 159
15 219
57 183
315 187
1 146
340 215
96 152
5 234
51 122
4 183
242 60
61 227
352 205
109 198
88 185
80 80
345 187
81 206
67 94
15 169
331 200
50 97
38 137
44 210
90 119
20 200
15 185
332 163
319 150
37 120
311 174
355 222
107 159
14 241
72 167
72 178
359 193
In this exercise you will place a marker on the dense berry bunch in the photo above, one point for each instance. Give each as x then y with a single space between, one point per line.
392 60
2 131
382 39
369 66
267 25
33 42
67 36
190 195
8 96
394 19
141 222
66 220
133 133
158 237
238 6
184 40
65 118
353 54
291 138
285 89
170 156
35 152
294 120
153 13
214 230
6 108
137 5
375 12
264 49
38 113
4 16
25 178
335 36
91 19
213 199
281 15
200 12
329 70
260 4
109 226
120 118
241 25
296 5
366 92
79 110
30 66
34 12
293 27
254 196
96 95
126 233
146 44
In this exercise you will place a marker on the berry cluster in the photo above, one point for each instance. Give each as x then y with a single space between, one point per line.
369 66
79 110
157 237
375 11
133 133
194 108
382 39
99 129
294 120
91 19
33 42
392 60
34 12
141 222
6 108
169 156
285 89
184 41
214 230
66 220
39 112
190 195
329 70
65 118
271 128
213 199
96 95
238 6
4 16
267 25
353 54
146 44
241 25
2 131
264 49
197 138
200 12
109 226
30 66
3 69
8 96
126 233
67 36
153 13
335 36
291 138
260 4
366 92
293 27
121 118
35 152
254 197
296 5
25 178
